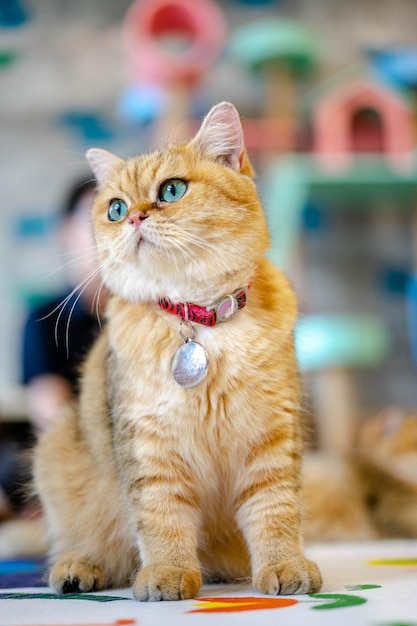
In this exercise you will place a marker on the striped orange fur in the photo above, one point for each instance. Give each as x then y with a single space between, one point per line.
141 479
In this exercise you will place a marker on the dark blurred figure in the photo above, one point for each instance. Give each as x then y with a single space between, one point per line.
56 338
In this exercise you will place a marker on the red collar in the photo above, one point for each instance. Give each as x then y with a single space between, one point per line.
221 311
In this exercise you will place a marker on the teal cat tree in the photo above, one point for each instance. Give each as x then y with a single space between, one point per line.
362 151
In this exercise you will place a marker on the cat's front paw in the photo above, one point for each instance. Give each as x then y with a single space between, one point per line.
288 577
159 582
76 575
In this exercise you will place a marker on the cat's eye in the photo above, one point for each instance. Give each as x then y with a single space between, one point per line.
117 210
172 190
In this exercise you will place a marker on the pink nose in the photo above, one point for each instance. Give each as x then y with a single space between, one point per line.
137 218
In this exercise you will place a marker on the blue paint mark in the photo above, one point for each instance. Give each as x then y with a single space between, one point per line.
13 567
23 573
12 14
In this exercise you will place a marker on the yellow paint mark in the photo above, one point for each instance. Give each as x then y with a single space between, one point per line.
400 562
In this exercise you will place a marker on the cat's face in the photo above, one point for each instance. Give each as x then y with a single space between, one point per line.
180 222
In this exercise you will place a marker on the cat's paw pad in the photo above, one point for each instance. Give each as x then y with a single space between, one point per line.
76 575
288 577
159 582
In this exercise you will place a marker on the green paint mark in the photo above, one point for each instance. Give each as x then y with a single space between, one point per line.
361 587
399 624
393 562
339 600
55 596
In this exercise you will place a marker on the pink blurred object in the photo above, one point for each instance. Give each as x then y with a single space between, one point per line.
171 41
363 116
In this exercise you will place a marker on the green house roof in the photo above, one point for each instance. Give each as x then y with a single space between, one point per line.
278 40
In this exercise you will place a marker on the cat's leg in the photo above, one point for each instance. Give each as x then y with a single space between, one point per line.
168 548
166 510
269 516
90 540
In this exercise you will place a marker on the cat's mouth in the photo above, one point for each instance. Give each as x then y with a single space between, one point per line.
147 236
142 242
138 238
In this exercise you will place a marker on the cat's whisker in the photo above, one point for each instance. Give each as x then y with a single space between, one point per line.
172 244
198 242
96 302
178 245
189 237
61 306
79 260
84 284
182 245
74 253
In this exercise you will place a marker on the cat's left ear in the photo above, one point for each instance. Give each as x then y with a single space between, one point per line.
102 163
221 136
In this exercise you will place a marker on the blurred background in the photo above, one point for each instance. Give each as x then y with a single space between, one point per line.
326 90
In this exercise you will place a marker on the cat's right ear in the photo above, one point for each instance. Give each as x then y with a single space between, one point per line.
102 163
221 136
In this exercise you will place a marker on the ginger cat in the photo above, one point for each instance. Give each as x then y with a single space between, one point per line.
170 472
370 493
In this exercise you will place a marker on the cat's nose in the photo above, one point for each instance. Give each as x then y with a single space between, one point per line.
137 218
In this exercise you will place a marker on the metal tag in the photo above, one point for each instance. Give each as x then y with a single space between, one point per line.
190 364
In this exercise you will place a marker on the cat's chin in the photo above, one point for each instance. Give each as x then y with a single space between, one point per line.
147 275
138 285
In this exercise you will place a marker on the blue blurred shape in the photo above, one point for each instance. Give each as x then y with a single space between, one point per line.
258 2
324 341
12 14
90 124
33 226
142 104
313 217
394 280
398 64
412 316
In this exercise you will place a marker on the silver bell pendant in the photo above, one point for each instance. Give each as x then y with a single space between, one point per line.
190 362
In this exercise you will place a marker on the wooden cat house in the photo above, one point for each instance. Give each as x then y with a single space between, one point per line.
362 115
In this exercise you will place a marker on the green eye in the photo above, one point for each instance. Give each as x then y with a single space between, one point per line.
172 190
117 210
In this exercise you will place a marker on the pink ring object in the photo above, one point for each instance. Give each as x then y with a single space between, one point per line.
199 24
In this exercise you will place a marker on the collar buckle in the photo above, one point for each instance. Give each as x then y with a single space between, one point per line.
227 307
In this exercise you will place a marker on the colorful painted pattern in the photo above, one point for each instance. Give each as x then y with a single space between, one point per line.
123 610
